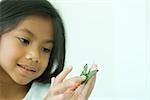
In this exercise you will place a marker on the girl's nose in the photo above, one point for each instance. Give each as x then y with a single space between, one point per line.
33 56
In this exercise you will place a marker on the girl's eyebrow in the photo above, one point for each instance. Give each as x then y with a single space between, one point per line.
32 34
27 31
50 41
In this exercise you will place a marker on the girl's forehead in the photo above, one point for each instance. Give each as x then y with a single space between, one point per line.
36 25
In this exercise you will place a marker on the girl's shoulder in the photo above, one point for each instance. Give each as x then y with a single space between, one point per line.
37 91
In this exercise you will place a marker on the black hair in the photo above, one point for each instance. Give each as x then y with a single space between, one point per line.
13 11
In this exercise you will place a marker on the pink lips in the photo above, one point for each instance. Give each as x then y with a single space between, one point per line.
26 69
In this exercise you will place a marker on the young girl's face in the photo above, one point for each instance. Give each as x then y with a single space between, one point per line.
25 50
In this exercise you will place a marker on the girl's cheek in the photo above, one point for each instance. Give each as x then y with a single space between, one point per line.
44 64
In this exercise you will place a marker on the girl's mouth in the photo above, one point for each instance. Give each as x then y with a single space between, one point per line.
26 69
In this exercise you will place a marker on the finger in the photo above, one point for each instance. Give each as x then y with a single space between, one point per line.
70 84
62 75
69 94
65 96
58 97
90 85
78 92
52 81
74 82
91 82
93 67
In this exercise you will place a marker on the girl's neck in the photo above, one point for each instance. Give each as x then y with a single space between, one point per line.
10 89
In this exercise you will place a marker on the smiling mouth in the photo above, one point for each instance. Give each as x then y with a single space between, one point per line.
27 68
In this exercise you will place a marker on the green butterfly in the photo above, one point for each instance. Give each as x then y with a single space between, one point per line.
88 74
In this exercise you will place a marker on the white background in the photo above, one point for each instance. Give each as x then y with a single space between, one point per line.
115 34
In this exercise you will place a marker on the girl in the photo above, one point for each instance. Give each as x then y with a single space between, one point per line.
32 51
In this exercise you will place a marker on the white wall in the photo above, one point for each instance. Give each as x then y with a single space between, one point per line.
115 34
131 49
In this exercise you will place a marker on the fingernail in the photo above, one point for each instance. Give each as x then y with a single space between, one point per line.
94 67
52 81
68 68
83 77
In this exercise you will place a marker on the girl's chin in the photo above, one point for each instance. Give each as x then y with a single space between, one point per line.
22 82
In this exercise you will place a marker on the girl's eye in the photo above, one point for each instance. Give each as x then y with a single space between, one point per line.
24 41
46 50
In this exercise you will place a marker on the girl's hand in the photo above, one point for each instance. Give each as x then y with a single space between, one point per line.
70 89
83 91
59 89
